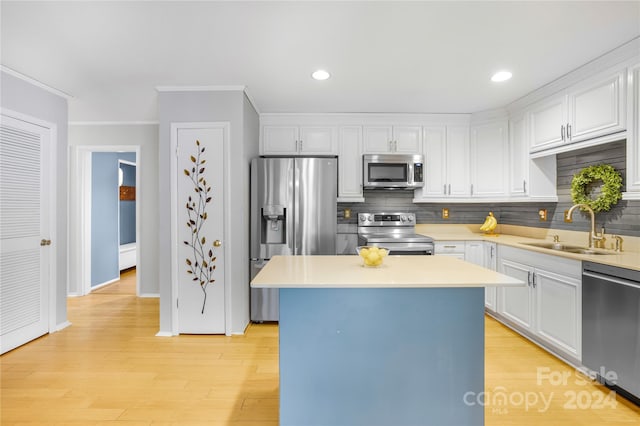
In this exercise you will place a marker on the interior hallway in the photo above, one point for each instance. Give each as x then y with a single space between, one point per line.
109 367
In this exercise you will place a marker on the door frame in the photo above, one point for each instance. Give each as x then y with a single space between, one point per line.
51 171
80 212
175 126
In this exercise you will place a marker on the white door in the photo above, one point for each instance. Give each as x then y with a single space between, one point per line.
516 303
548 123
350 164
25 250
435 140
377 139
407 139
488 158
458 161
317 141
200 230
280 140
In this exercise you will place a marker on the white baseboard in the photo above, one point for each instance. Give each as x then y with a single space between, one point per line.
164 334
62 326
95 287
150 295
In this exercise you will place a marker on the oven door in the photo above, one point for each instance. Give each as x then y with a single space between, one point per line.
386 175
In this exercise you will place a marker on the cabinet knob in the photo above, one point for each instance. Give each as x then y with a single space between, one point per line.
44 242
217 243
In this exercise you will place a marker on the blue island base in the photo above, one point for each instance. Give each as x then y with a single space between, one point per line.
381 356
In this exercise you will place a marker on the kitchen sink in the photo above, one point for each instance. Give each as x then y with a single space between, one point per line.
567 248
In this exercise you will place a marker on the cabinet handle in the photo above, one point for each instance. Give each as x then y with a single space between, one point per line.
471 189
524 186
390 146
449 246
562 132
529 278
533 281
492 248
449 189
568 131
445 189
300 146
395 146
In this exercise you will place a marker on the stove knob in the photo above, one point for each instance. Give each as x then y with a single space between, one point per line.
363 218
370 218
403 218
410 218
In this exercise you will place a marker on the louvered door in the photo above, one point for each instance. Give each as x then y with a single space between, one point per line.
24 232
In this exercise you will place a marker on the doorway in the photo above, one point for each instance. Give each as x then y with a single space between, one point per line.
86 236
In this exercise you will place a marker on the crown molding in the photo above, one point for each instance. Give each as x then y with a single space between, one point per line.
35 82
231 88
114 123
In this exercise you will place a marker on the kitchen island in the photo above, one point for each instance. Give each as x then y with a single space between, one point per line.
400 344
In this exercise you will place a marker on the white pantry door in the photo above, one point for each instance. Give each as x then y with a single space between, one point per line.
200 230
24 232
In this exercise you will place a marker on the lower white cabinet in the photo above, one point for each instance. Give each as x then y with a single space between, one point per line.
483 253
549 307
450 248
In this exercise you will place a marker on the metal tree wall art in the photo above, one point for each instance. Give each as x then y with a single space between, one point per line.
202 263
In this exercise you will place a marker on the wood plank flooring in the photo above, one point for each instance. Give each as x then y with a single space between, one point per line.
109 368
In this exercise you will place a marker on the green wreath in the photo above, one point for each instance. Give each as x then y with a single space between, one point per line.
612 182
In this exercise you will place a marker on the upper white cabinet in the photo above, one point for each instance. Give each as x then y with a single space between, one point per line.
488 159
392 139
298 140
633 134
593 108
518 156
350 164
446 156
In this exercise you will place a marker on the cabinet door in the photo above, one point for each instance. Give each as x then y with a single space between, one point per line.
558 304
474 252
350 164
377 139
488 158
516 303
457 164
434 160
633 134
317 141
597 108
407 139
546 121
518 156
277 140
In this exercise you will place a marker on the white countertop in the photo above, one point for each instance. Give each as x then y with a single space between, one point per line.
396 271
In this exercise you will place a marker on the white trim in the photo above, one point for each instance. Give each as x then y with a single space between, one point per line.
62 326
81 173
230 88
476 200
149 295
579 145
164 334
35 82
114 123
52 177
175 126
251 101
631 195
128 163
104 284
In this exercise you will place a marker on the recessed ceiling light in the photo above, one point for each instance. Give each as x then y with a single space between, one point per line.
501 76
320 75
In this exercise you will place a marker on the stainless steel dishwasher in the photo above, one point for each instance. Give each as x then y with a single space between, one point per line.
611 326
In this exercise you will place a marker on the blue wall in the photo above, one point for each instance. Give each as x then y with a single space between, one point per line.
105 196
128 208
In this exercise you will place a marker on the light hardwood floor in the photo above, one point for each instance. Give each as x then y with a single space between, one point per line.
109 367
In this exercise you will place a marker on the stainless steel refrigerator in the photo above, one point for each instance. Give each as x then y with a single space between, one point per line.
293 212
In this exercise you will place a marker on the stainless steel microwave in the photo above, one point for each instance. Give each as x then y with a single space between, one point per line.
393 171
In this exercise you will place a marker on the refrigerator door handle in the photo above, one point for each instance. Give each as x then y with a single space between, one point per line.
294 200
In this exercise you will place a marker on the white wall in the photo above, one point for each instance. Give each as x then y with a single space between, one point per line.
23 97
223 106
145 136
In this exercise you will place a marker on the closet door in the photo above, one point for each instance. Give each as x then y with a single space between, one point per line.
25 247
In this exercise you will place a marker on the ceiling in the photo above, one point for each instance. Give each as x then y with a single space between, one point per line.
405 57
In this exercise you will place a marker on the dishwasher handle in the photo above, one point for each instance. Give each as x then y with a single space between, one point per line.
621 281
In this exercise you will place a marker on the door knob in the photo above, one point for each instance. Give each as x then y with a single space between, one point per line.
217 243
44 242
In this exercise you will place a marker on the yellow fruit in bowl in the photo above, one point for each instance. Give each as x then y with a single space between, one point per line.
371 255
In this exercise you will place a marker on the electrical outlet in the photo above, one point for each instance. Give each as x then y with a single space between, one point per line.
542 213
347 213
445 213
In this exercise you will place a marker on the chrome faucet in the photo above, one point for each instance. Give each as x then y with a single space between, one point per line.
593 234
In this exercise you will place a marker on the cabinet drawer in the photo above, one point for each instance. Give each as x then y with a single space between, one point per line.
449 247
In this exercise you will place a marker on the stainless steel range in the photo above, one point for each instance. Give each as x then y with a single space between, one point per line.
395 231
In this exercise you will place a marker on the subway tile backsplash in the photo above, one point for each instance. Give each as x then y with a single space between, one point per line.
623 219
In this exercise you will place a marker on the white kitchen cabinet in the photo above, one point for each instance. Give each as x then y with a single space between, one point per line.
488 159
585 111
518 155
392 139
549 306
450 248
483 253
298 140
350 164
446 157
633 134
